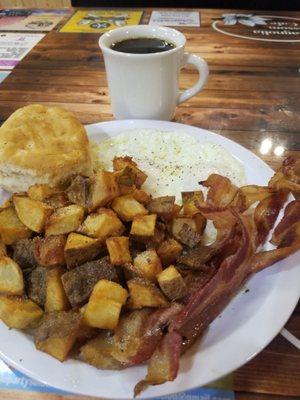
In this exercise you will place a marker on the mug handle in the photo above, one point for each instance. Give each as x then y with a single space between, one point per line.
203 70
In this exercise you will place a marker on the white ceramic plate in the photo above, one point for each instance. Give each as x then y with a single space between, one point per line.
247 325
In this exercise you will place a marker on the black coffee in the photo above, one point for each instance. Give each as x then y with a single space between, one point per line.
142 46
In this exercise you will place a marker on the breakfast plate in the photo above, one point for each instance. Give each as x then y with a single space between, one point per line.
251 320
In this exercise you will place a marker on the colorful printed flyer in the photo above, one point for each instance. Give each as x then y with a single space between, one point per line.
30 20
15 46
175 18
99 21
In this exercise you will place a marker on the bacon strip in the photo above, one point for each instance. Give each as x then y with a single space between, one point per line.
152 333
266 213
221 191
204 306
164 363
248 195
288 176
286 231
266 258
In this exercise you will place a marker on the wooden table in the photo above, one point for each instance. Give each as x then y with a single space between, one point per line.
253 93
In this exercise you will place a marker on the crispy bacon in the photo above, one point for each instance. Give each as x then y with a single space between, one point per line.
248 195
266 213
137 335
164 363
264 259
286 231
204 306
221 191
288 176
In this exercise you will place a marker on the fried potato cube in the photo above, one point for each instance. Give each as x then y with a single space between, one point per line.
104 306
11 277
126 180
172 283
118 249
2 249
185 230
149 264
11 228
49 251
33 213
109 290
102 225
164 206
64 220
191 201
168 251
79 282
97 352
18 312
78 190
57 333
80 249
56 299
35 283
120 163
41 191
103 313
128 208
141 196
103 189
143 226
58 200
143 293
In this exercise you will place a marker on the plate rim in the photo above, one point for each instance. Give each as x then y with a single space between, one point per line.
163 124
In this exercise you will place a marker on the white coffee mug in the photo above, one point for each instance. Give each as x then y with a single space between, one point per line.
145 86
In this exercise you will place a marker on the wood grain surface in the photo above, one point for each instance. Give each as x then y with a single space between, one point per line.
253 94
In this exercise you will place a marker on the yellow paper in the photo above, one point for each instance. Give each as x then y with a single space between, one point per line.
99 21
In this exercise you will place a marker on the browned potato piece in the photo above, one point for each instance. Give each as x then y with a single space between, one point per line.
148 263
129 334
77 192
18 312
191 201
80 249
56 299
33 213
120 163
185 230
23 254
143 226
172 283
41 191
49 251
104 306
143 293
164 206
141 196
125 178
11 277
64 220
97 352
57 200
118 249
36 285
168 251
79 282
102 225
57 333
11 228
128 208
103 189
2 249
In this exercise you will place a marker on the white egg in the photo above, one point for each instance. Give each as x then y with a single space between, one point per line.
174 162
